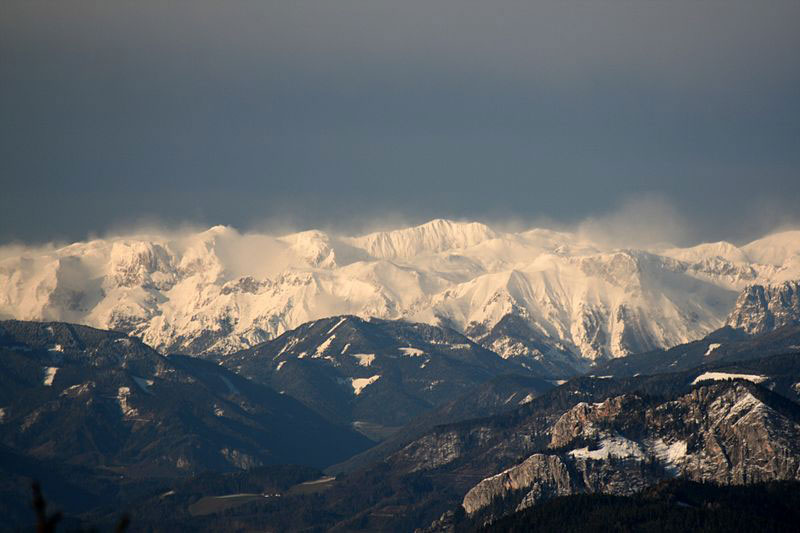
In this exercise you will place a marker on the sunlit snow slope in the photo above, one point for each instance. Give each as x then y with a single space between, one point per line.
537 293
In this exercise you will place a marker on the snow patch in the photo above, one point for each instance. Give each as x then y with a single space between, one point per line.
324 346
325 479
412 352
288 346
336 326
49 375
77 390
711 347
723 376
332 360
364 359
671 455
56 348
280 365
527 399
359 384
2 414
744 405
617 447
434 383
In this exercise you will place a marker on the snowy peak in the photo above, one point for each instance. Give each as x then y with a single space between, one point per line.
312 246
139 263
776 249
435 236
702 252
220 291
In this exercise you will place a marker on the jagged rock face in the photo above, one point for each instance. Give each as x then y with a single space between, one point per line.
552 299
724 432
583 419
762 308
739 438
489 445
544 476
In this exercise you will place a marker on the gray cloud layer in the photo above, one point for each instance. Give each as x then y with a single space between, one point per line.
339 113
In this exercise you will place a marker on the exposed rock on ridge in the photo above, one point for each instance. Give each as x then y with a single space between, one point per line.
760 308
725 432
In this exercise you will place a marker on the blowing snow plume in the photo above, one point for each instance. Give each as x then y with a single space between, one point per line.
641 221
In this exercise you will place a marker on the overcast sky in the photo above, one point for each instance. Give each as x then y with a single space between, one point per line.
346 113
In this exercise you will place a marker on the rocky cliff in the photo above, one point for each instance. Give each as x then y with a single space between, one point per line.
727 432
761 308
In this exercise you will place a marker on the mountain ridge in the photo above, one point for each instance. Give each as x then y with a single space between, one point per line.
100 399
219 291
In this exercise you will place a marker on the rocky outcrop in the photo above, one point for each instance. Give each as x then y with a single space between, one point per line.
736 437
730 432
440 448
583 420
762 308
544 476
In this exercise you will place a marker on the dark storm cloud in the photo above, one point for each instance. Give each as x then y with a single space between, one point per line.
338 113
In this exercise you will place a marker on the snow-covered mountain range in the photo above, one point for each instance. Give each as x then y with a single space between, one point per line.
539 293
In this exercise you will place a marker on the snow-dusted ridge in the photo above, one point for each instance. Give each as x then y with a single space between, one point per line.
722 376
220 290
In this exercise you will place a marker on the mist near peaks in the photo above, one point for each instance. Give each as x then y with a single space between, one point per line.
643 222
273 246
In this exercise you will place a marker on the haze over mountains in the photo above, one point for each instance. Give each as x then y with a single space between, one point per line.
550 297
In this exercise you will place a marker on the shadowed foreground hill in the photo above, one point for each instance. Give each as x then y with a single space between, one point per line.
673 506
91 412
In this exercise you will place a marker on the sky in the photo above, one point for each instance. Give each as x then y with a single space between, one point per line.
356 114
